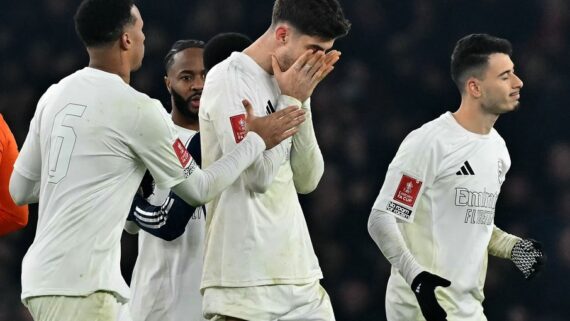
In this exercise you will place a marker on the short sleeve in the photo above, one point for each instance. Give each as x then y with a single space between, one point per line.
155 141
410 173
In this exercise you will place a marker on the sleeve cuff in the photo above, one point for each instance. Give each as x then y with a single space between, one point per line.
286 101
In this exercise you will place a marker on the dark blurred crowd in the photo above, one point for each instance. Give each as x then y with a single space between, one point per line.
393 76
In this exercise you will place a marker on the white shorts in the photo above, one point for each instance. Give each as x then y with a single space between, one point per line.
286 302
98 306
401 304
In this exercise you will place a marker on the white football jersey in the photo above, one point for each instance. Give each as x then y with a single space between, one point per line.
165 285
256 230
90 141
443 185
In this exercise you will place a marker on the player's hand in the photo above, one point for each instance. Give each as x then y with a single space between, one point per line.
276 127
424 288
305 74
528 257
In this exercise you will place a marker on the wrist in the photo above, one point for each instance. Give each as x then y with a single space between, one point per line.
286 101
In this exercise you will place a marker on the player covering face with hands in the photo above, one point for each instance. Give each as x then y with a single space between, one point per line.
90 142
434 216
259 263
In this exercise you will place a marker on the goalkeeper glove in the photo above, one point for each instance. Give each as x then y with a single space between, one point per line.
424 286
528 257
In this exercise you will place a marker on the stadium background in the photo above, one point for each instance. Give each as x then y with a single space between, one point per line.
393 77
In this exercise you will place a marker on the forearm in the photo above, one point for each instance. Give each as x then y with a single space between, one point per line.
383 229
259 176
22 190
203 185
167 221
501 243
306 158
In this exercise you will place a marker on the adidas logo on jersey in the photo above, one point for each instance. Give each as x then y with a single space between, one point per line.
269 108
466 169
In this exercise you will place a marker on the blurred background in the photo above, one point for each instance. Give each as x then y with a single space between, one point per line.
393 77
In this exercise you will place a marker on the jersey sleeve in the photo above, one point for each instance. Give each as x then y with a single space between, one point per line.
167 221
29 162
410 173
307 160
155 141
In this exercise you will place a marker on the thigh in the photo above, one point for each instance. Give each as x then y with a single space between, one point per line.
98 306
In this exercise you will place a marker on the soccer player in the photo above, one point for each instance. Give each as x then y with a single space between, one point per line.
12 216
172 247
259 263
434 216
90 141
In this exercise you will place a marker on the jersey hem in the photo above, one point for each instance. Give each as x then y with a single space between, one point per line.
269 281
123 298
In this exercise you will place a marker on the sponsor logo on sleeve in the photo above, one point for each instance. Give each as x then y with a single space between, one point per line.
399 210
408 190
181 152
238 127
190 169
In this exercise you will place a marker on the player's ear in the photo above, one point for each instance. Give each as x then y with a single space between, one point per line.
167 83
125 41
282 33
473 87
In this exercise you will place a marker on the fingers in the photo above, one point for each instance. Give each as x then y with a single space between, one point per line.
315 62
444 283
537 245
329 60
302 60
439 281
293 110
332 57
290 121
288 133
248 109
293 118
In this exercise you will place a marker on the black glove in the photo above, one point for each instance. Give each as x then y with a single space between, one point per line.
528 257
424 288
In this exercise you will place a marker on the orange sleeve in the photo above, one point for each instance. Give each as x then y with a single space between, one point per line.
12 217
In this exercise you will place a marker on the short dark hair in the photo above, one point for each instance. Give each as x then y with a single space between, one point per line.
221 47
100 22
471 55
321 18
179 46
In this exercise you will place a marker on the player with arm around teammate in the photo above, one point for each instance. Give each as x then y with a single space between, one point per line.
90 141
171 245
434 216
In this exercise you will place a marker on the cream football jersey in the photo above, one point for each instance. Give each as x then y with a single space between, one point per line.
165 285
89 143
443 185
256 230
